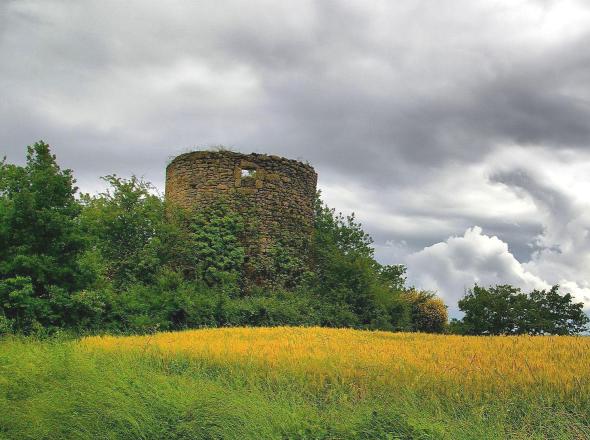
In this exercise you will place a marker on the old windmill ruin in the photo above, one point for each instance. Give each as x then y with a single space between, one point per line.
275 194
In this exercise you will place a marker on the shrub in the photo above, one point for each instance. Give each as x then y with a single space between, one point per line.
6 325
429 313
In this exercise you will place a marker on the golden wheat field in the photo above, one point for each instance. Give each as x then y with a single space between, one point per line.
558 367
295 383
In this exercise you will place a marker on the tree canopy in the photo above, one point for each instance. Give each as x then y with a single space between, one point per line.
40 241
506 310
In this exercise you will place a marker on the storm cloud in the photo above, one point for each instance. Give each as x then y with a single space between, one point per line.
457 131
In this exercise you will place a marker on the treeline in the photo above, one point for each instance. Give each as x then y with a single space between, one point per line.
506 310
123 261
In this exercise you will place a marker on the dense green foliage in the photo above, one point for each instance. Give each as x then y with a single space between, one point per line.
124 227
40 243
505 310
122 260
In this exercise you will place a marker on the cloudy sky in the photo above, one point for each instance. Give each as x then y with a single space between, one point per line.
458 131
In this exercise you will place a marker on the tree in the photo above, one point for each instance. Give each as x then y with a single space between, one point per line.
348 277
491 311
126 226
555 314
40 241
429 313
345 271
394 276
505 310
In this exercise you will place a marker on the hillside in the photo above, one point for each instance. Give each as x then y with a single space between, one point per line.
295 383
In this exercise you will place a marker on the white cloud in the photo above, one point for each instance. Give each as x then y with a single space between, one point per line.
562 254
452 266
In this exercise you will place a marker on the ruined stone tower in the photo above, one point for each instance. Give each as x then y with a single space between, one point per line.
275 194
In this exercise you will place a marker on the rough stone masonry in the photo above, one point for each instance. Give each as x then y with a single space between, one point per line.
276 194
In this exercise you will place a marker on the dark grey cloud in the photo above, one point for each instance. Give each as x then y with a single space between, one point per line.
415 115
549 198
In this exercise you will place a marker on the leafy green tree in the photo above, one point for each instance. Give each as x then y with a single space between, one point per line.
490 311
40 241
361 291
39 236
504 309
555 314
21 307
340 233
126 225
394 276
345 271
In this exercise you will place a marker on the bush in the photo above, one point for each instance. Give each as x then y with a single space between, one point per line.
6 325
21 307
429 313
285 308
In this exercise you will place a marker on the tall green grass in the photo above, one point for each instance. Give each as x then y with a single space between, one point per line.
55 390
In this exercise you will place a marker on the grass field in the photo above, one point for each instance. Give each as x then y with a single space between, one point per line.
295 383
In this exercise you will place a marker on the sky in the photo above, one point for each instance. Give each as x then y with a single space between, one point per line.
457 131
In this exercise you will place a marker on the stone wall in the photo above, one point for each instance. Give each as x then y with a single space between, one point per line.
276 195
